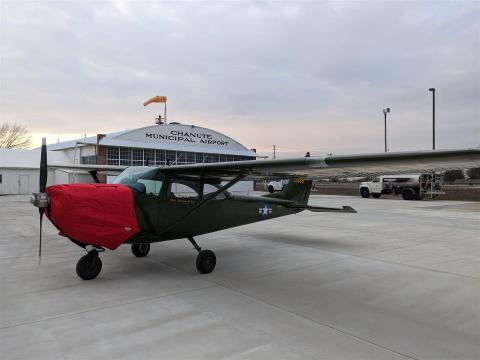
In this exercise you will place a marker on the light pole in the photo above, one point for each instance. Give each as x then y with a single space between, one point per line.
433 114
385 111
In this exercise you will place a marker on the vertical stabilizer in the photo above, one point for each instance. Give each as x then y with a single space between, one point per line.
297 190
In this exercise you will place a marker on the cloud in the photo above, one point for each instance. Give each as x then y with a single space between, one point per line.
302 75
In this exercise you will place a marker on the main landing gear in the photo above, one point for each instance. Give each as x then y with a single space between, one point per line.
90 265
206 259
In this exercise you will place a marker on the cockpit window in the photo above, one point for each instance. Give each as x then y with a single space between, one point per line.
210 188
180 189
142 179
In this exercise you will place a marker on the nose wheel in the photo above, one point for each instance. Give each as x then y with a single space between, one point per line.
140 250
90 265
206 259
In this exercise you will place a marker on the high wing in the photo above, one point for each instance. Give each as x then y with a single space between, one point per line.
336 165
88 167
93 169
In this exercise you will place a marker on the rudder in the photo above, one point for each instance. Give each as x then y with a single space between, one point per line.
297 190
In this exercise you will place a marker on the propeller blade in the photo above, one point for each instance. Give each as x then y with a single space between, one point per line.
43 167
42 211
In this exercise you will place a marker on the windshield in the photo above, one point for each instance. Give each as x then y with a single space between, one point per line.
141 179
131 175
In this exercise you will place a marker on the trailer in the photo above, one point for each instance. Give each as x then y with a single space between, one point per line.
410 186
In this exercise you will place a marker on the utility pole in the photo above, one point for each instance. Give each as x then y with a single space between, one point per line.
433 115
385 112
274 151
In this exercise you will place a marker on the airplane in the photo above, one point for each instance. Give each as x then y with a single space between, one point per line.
149 204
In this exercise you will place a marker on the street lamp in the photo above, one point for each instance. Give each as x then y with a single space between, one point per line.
433 114
385 111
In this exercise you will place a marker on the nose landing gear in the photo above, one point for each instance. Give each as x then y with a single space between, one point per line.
90 265
140 250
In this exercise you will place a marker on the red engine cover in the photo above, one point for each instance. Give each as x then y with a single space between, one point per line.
94 214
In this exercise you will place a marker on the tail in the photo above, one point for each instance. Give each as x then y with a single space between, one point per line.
297 190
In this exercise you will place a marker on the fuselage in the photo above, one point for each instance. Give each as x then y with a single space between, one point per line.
145 206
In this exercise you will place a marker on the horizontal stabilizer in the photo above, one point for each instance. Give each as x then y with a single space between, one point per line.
343 209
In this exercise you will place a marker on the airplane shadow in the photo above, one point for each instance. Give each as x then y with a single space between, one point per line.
309 241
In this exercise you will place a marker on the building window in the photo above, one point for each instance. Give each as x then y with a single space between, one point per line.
113 155
189 158
171 157
125 156
180 158
137 157
214 157
160 159
89 160
149 157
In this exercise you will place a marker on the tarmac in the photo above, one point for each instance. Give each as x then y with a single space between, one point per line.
398 280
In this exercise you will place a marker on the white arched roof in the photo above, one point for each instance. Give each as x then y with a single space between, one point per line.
178 137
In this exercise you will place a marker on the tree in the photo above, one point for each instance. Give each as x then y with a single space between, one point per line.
14 136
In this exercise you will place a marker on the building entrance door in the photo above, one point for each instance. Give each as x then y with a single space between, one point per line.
23 184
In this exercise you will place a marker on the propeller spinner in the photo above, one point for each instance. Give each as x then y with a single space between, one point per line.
41 199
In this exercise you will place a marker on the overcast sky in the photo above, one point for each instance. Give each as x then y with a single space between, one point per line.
307 76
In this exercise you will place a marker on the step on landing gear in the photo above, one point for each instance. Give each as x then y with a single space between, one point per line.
206 259
90 265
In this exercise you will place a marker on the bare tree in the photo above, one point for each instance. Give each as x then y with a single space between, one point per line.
14 136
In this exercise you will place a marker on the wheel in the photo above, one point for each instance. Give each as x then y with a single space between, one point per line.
408 194
376 196
206 261
365 192
140 250
271 190
89 266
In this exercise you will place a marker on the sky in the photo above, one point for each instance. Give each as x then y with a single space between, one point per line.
303 75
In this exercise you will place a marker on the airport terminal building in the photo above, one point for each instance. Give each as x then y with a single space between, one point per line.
164 144
156 145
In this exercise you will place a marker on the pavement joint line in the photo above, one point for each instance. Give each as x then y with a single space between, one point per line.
310 319
225 286
69 314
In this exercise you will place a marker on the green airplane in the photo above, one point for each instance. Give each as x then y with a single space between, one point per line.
153 204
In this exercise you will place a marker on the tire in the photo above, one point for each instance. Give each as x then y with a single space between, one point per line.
376 196
206 261
89 266
140 250
271 190
365 192
408 194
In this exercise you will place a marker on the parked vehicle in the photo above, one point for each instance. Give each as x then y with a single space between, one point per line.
278 185
412 186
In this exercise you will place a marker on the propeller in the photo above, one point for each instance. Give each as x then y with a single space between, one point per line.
41 199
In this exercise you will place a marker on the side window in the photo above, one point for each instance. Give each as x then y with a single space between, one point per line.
208 188
152 187
376 179
1 178
183 190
